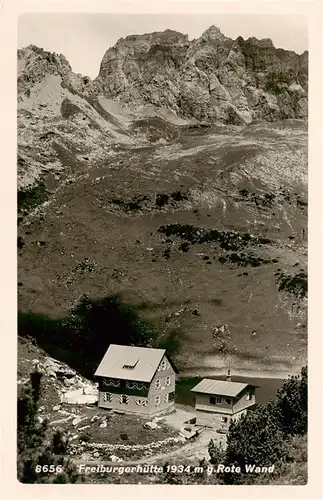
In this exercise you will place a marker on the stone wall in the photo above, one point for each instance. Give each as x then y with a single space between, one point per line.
76 449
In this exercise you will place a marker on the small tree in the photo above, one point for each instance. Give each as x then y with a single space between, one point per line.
37 448
254 439
291 405
216 452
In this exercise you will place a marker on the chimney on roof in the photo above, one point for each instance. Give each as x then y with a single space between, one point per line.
229 375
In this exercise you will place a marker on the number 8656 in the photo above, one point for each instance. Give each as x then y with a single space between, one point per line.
49 468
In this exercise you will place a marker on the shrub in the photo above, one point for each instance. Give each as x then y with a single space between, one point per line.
292 405
227 240
31 197
85 436
296 285
184 246
244 192
37 446
161 200
20 242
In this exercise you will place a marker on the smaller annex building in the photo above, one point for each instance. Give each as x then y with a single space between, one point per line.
217 402
136 379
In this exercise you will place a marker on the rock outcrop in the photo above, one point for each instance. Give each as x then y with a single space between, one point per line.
212 78
61 124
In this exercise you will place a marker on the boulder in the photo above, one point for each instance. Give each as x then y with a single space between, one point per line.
68 382
61 370
150 425
89 390
77 420
84 427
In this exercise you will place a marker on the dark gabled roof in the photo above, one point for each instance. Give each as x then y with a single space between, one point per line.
131 362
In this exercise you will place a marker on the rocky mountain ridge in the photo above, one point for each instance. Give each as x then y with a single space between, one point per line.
212 78
67 121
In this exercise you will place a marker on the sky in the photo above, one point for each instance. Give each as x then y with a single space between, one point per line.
84 38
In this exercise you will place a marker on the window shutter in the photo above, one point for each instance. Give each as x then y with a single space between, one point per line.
106 397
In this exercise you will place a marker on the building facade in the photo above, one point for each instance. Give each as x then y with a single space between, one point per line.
217 402
136 380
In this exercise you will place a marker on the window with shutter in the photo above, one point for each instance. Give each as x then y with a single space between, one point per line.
166 398
106 397
171 396
123 399
167 381
157 384
157 400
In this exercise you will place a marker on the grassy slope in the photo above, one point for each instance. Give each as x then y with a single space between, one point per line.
126 251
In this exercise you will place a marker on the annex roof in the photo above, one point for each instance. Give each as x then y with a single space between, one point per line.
219 387
130 362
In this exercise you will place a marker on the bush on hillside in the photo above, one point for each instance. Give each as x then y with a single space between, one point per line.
41 455
291 405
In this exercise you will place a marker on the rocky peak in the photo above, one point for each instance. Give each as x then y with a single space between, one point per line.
35 63
33 54
262 43
212 78
168 37
213 34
